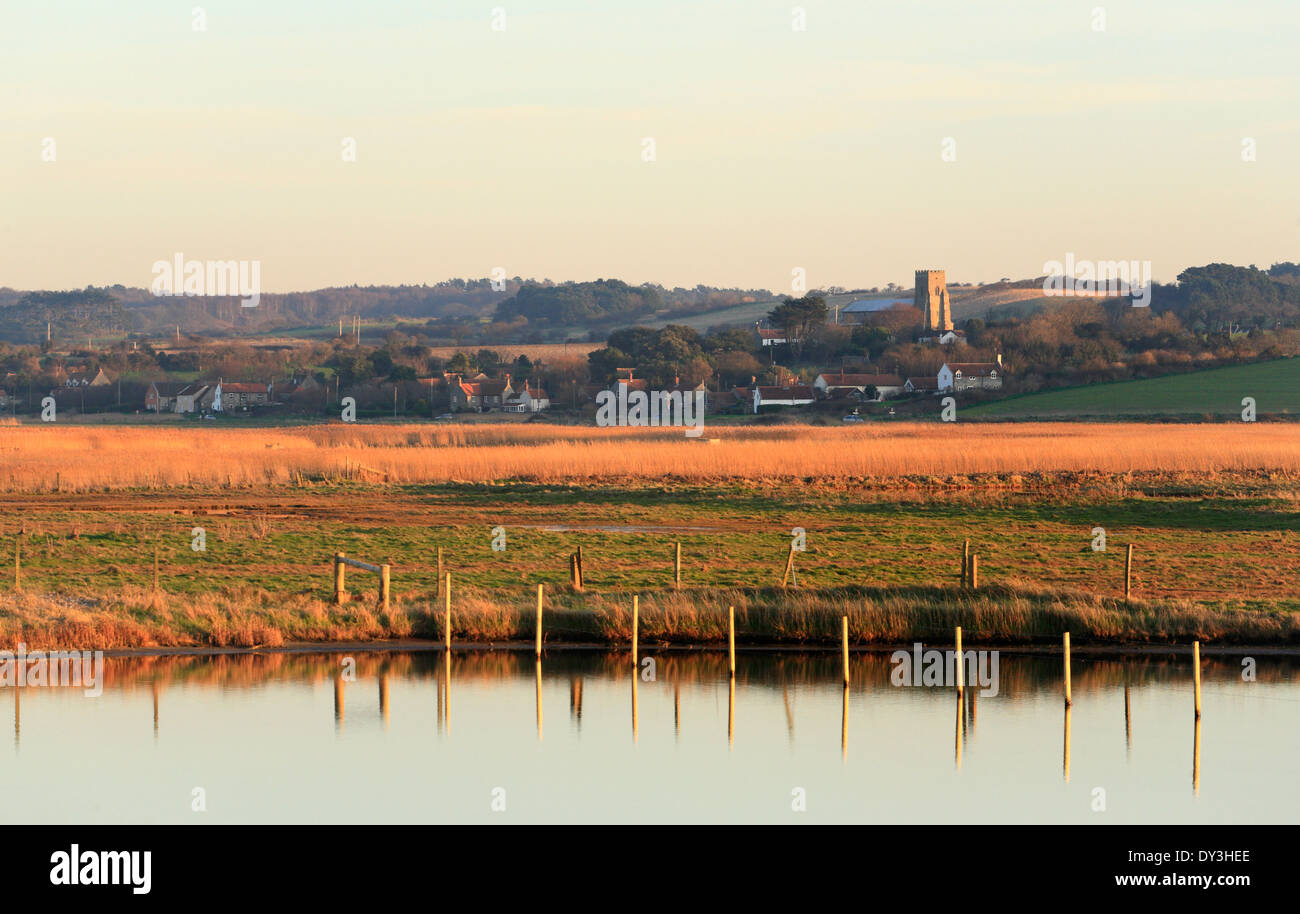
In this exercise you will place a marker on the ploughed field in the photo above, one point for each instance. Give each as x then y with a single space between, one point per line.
1213 512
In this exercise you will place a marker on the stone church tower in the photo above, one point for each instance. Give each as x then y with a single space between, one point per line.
932 300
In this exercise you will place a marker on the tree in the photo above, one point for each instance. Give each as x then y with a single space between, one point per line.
798 317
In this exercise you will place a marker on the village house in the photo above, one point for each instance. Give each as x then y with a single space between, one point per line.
945 338
770 336
529 398
480 395
794 395
161 396
841 383
88 379
236 395
959 376
194 398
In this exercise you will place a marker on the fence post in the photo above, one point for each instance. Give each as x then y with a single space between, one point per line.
636 624
974 571
1196 675
581 581
339 593
539 621
844 644
446 617
1066 645
789 566
385 582
965 563
1128 572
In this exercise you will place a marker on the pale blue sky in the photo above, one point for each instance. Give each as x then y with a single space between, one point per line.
522 149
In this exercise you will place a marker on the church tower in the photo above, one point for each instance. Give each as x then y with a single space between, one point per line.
931 298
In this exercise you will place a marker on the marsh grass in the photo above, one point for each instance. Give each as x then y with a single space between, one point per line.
245 617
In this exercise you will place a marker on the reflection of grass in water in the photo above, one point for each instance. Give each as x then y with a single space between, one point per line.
1018 673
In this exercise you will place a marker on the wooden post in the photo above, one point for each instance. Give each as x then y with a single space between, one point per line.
961 664
1128 572
385 581
636 620
339 592
974 571
539 621
1066 643
573 570
844 646
581 581
731 639
789 566
446 614
965 563
677 565
18 562
1196 675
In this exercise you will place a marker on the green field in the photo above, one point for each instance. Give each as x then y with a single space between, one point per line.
1217 393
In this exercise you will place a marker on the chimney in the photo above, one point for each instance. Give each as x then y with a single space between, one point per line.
677 380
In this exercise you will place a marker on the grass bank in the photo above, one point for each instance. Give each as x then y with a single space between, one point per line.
1005 615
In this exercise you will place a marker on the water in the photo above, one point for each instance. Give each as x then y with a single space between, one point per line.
264 739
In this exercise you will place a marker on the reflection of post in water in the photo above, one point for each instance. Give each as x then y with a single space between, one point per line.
446 691
844 725
539 699
1066 751
957 730
677 709
1196 760
18 713
1128 722
338 701
153 687
634 705
974 709
575 699
789 715
731 711
383 698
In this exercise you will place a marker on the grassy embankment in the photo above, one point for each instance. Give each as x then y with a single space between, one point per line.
1216 560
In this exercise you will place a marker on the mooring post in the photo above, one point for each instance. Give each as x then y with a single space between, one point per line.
1066 643
339 592
974 571
1196 675
789 566
581 580
385 582
965 563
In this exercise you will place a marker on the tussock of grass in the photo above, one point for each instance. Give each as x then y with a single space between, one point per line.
249 617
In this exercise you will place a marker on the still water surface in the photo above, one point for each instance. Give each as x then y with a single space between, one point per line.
281 738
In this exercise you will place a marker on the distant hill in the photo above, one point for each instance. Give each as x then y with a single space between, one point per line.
1217 392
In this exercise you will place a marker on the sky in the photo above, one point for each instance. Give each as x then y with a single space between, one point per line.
984 137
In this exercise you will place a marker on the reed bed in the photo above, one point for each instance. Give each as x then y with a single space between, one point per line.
71 459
